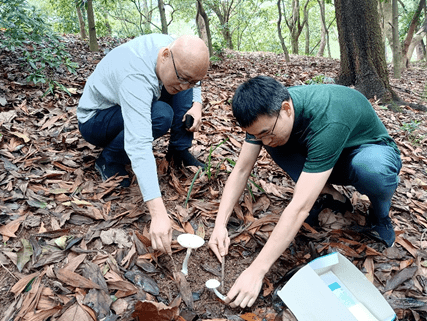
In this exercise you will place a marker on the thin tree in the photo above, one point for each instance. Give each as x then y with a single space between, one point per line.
203 28
294 23
396 43
81 22
279 31
411 31
162 11
324 31
93 42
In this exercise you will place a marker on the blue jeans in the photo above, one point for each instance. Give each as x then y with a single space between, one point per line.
372 169
106 128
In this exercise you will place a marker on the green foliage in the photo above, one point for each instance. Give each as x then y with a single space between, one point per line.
320 79
41 51
412 131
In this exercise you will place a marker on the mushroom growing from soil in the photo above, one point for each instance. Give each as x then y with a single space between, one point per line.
189 241
213 284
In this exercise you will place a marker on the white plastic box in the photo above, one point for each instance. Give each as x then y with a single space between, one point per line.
331 288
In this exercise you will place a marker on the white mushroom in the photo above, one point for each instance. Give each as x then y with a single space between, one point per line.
190 241
213 284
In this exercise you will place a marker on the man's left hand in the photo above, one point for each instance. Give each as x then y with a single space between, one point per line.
246 288
196 112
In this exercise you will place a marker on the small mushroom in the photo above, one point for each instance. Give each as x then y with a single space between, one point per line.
189 241
213 284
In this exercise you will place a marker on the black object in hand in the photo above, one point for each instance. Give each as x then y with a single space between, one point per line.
188 121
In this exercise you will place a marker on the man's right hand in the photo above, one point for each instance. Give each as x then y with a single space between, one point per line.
160 227
219 242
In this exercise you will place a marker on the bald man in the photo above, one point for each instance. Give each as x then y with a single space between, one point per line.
138 92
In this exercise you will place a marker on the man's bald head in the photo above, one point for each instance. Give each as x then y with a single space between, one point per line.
192 54
183 63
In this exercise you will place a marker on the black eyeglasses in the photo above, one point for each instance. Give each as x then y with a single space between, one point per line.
271 133
182 80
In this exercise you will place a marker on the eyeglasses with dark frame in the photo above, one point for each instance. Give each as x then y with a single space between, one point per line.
182 80
271 133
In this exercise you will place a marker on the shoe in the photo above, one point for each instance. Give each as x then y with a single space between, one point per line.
109 170
379 229
327 201
183 157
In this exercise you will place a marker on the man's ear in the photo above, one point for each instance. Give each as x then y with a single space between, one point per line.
286 106
164 54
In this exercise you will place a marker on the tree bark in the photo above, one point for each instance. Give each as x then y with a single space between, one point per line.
294 24
93 42
411 31
396 43
202 21
417 39
324 31
81 22
279 31
362 50
163 17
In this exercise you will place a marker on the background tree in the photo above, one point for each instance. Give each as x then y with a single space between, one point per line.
203 27
361 48
163 20
279 30
414 23
93 42
224 10
397 52
82 24
294 22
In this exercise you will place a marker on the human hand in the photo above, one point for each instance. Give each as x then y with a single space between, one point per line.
161 234
246 288
219 242
196 113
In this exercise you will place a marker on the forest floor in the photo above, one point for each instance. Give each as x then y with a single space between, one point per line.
82 244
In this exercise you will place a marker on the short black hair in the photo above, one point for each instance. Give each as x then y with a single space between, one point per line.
258 96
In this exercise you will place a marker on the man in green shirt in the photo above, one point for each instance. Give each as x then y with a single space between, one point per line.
320 135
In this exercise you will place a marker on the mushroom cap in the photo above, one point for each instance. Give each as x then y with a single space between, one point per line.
212 284
191 241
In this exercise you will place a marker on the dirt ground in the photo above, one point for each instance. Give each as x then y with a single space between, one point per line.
50 190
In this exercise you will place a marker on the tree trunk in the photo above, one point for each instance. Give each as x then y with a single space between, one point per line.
362 51
411 31
147 17
279 31
203 27
163 17
307 39
387 22
322 45
107 25
81 23
93 42
396 43
416 40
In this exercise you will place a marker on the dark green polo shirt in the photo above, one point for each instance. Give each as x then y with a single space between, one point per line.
328 119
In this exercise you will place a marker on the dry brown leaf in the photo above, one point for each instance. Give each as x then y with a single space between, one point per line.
74 279
42 315
370 269
153 311
22 283
9 229
74 263
75 312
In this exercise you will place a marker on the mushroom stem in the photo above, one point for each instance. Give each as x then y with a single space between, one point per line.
219 295
185 263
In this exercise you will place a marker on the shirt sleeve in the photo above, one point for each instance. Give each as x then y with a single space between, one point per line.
197 94
325 147
136 96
